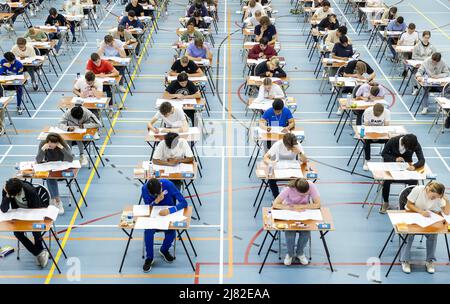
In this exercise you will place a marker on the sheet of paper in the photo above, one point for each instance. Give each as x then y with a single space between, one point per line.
288 173
151 223
390 166
383 129
406 175
117 59
287 164
56 166
191 131
60 131
174 102
30 214
414 218
23 166
79 100
274 130
141 210
29 60
290 215
173 217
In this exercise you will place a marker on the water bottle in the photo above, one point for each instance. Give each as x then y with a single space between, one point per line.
269 219
78 74
362 131
150 170
270 169
425 79
349 100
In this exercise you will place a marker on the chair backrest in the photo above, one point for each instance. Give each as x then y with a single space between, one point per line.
355 89
403 197
43 194
446 91
340 71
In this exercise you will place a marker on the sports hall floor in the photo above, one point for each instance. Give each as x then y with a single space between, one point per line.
227 237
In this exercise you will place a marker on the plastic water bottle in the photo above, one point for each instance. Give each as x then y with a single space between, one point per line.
150 170
349 100
270 169
78 75
269 219
362 131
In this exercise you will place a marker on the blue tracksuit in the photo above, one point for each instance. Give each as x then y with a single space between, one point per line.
172 194
16 68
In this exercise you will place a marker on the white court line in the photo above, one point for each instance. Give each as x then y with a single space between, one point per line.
225 147
6 154
57 83
343 15
440 2
390 83
109 11
222 203
115 226
442 159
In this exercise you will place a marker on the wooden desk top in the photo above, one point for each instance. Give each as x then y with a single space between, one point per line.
188 107
312 224
15 82
274 136
6 16
66 103
141 173
187 213
334 64
152 137
51 174
377 136
261 166
436 228
24 226
259 82
72 136
6 103
359 107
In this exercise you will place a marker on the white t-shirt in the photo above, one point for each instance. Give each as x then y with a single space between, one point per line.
371 120
251 20
419 197
408 39
320 14
181 150
174 120
111 51
258 7
278 151
275 91
82 85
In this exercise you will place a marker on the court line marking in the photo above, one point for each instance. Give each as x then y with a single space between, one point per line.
6 154
430 21
442 159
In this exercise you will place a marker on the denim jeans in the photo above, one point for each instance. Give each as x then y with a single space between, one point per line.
431 248
303 237
52 185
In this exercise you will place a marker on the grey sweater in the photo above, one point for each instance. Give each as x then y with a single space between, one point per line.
53 154
87 121
439 70
422 52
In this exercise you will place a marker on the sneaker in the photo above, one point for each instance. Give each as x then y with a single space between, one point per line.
424 110
147 265
430 267
60 206
384 208
19 110
167 256
415 91
303 259
365 166
83 160
287 260
339 112
406 267
122 89
43 258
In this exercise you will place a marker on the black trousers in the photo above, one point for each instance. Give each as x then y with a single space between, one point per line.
274 188
35 248
387 187
367 144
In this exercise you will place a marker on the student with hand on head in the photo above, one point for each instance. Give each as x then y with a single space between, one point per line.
358 69
433 67
23 50
88 86
9 65
270 68
269 90
35 34
123 35
197 6
82 118
389 14
368 92
397 25
401 149
161 193
21 194
277 116
184 64
54 148
377 115
173 151
265 29
262 50
174 119
300 194
198 21
286 149
423 200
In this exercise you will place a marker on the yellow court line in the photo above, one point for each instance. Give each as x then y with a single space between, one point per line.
105 143
430 21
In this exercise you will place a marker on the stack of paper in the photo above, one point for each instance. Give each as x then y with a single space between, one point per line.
141 210
30 214
60 131
56 166
151 223
414 218
120 60
288 173
289 215
287 164
79 100
389 166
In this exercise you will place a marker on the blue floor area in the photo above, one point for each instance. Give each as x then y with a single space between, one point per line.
227 237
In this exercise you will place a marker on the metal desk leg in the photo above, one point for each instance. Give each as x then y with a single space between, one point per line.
130 236
404 239
385 244
274 236
322 237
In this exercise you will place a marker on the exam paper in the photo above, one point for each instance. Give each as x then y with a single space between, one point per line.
141 210
56 166
288 173
174 102
414 218
389 166
61 131
30 214
290 215
151 223
407 175
78 100
287 164
174 217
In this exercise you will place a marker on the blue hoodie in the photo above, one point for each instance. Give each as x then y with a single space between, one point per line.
171 193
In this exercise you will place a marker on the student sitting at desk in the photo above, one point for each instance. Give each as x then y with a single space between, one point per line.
408 38
358 69
328 24
423 200
103 68
58 20
396 25
23 50
111 47
79 117
422 50
342 50
161 193
21 194
136 7
198 20
286 149
269 90
129 22
184 64
10 66
433 67
334 36
191 33
252 7
173 151
197 6
277 116
270 68
262 50
389 14
368 92
54 148
174 119
197 50
73 8
253 21
300 194
401 149
123 35
265 29
35 34
323 11
374 116
181 88
88 86
148 11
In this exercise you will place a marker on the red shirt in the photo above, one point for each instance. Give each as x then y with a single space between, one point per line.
105 67
255 50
